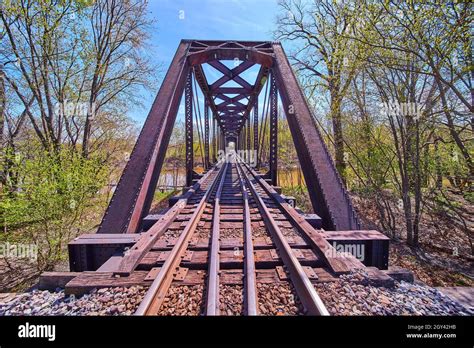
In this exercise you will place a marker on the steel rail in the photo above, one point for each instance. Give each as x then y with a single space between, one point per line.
156 294
250 278
212 306
336 262
135 254
305 289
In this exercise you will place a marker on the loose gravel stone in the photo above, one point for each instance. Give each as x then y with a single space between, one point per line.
231 233
230 299
202 233
290 232
259 232
183 300
172 233
107 301
278 299
352 294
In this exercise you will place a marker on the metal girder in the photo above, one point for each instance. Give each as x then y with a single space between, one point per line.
227 101
248 139
257 52
206 134
327 193
232 100
273 130
230 90
259 83
255 126
231 74
134 193
188 105
214 139
202 81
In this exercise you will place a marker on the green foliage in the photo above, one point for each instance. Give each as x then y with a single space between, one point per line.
301 196
469 196
44 196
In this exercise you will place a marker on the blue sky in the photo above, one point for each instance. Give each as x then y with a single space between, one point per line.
203 19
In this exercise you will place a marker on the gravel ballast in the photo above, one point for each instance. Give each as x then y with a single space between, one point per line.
351 294
106 301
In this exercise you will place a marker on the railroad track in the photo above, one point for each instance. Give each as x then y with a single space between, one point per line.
220 254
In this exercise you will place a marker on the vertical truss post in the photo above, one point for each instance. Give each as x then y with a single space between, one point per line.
243 137
214 139
248 139
255 130
246 144
238 142
188 103
222 140
241 145
273 130
206 134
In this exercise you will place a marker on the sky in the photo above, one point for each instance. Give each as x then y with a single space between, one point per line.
203 20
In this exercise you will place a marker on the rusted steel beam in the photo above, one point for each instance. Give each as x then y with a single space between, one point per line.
214 140
273 172
230 43
248 139
228 101
231 74
212 307
188 105
255 127
328 195
259 83
261 57
223 143
134 193
89 251
231 90
206 134
203 84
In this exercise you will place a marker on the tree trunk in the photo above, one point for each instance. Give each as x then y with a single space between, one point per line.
452 130
439 174
2 121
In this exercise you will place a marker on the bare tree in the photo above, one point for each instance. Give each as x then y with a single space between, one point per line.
325 56
118 29
74 81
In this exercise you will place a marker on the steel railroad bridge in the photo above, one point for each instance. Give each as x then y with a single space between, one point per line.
231 226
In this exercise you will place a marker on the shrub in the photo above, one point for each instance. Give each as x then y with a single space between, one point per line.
44 198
